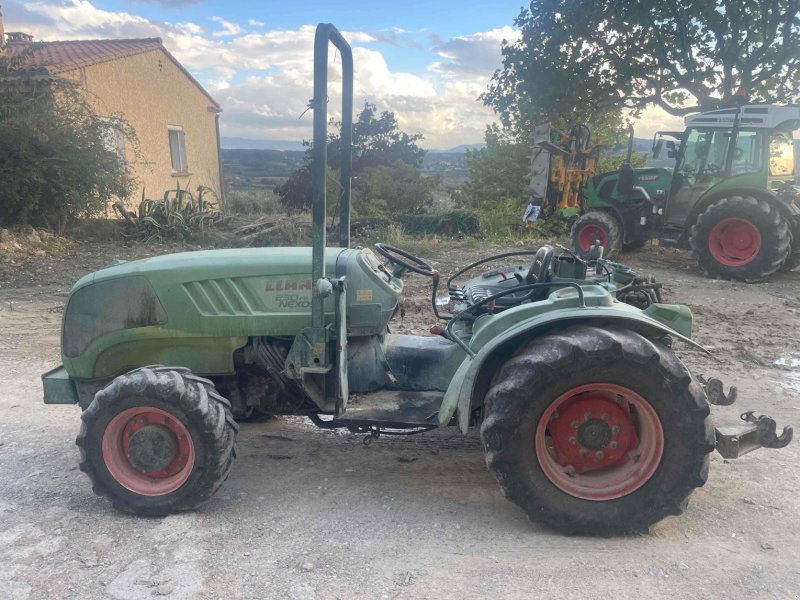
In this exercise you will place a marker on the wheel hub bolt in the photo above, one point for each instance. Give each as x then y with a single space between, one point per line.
587 415
575 424
573 440
615 429
583 452
605 417
599 455
613 445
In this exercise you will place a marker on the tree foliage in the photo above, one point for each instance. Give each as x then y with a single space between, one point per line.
499 172
585 60
393 188
386 163
55 159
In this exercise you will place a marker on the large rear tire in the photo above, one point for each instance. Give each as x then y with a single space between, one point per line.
597 431
157 440
596 225
742 238
793 260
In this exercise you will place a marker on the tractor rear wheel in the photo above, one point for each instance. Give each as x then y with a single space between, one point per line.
596 225
793 260
597 431
157 440
740 237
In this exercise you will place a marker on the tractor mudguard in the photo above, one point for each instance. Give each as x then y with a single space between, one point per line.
650 324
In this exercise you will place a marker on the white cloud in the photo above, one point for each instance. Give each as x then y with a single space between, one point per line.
472 55
228 28
263 79
254 23
654 119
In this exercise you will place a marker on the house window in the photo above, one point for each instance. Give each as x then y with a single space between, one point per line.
114 139
177 149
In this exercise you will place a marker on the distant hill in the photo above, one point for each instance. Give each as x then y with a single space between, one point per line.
238 143
249 169
459 149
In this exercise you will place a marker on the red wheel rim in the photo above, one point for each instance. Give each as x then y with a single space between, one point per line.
734 242
599 441
588 234
148 451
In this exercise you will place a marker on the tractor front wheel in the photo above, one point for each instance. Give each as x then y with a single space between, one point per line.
596 225
157 440
740 237
597 431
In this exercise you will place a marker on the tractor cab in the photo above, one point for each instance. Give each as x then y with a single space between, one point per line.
731 194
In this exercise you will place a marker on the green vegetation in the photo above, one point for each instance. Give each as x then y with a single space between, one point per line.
57 156
251 202
586 64
178 215
258 170
386 170
499 175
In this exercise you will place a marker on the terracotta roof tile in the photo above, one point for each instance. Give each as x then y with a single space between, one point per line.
57 57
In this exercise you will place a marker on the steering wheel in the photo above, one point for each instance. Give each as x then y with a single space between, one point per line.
411 262
539 271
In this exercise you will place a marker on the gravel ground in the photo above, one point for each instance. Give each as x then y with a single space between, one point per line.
317 514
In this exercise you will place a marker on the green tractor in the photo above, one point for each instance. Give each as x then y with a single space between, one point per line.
589 420
731 196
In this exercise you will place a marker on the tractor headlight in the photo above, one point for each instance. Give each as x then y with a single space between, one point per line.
101 308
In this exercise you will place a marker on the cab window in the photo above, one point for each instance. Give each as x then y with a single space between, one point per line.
704 152
747 153
781 154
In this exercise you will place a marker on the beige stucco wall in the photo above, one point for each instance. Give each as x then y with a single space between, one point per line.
153 93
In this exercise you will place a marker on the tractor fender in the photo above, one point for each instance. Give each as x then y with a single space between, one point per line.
461 392
789 211
613 207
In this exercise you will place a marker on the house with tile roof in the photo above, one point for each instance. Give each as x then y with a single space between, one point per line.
176 121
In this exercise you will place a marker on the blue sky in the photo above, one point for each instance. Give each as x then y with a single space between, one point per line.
427 61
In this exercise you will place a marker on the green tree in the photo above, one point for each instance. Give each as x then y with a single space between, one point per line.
382 156
56 160
294 194
377 140
498 173
582 61
397 188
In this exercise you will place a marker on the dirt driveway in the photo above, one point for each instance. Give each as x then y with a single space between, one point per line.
315 514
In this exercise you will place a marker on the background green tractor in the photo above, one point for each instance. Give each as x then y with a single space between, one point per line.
589 420
731 196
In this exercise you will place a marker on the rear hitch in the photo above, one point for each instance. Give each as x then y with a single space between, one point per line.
756 432
715 392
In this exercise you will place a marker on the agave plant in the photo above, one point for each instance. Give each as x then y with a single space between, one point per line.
177 215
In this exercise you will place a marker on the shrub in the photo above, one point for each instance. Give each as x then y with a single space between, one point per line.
251 202
453 223
56 162
178 215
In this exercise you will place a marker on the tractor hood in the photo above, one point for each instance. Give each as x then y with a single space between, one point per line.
214 264
194 309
